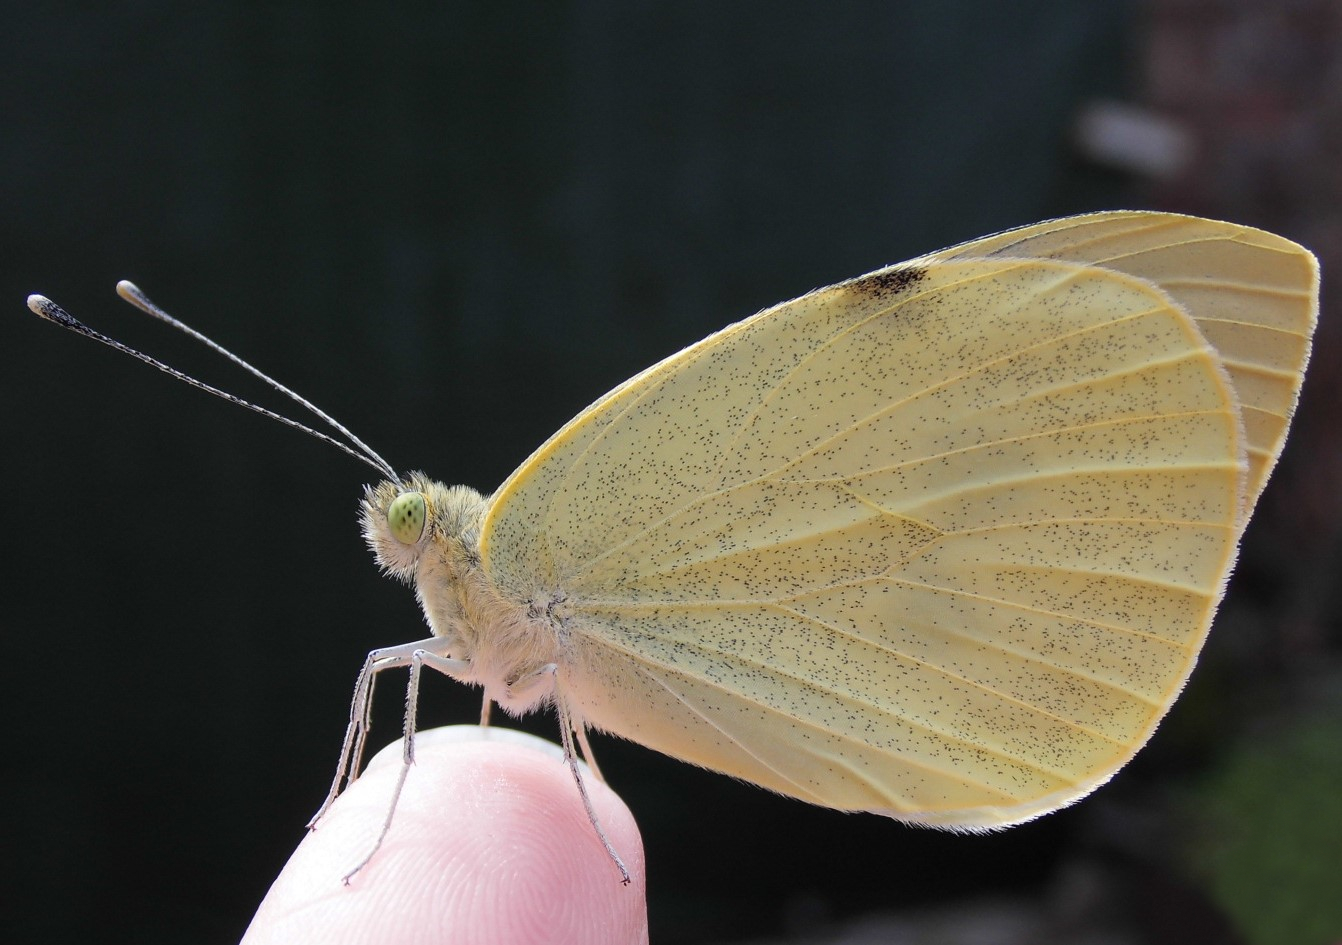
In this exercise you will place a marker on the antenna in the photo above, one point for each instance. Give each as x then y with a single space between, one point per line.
360 450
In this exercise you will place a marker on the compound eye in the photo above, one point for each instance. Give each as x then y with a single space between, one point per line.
405 517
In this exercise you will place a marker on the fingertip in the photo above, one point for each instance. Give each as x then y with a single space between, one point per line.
490 835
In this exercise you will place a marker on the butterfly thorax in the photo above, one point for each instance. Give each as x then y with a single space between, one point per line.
505 642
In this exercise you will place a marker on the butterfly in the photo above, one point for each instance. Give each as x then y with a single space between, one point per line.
941 542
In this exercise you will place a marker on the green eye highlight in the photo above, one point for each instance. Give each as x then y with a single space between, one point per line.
405 517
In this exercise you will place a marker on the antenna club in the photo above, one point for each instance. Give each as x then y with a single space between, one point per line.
42 306
129 291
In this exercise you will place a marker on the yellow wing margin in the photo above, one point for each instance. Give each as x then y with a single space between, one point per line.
941 542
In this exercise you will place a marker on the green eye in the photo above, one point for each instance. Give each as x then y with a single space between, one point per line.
405 517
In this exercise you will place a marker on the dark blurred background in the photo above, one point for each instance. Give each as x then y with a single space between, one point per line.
453 225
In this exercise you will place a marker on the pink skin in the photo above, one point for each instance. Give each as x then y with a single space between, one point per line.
490 844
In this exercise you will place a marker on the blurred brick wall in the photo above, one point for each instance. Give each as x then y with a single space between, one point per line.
1258 87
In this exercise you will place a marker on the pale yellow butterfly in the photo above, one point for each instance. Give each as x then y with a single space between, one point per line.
941 542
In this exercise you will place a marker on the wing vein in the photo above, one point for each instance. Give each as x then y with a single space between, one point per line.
844 736
852 697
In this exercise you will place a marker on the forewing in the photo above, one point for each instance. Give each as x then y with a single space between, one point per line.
1253 294
941 542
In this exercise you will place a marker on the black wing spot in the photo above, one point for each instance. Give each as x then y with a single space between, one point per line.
889 282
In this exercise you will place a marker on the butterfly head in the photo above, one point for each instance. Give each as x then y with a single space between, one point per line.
403 519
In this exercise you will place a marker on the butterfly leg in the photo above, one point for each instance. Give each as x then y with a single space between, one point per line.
360 716
416 656
587 756
567 728
547 677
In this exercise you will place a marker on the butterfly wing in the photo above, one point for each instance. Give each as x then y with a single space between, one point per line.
1253 294
941 542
